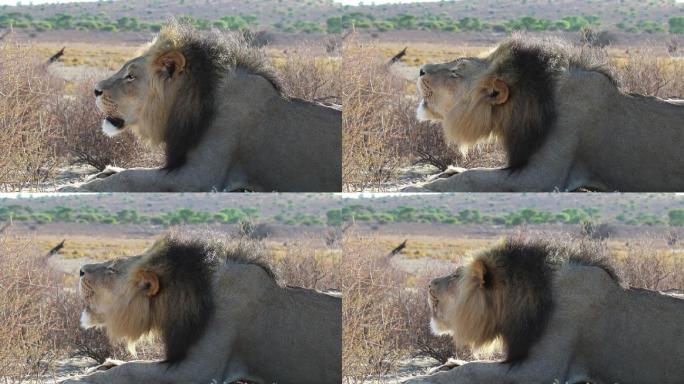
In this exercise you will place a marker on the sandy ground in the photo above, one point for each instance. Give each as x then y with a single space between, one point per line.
408 176
406 369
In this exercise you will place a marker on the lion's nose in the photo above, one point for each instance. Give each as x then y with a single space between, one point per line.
422 72
81 273
97 92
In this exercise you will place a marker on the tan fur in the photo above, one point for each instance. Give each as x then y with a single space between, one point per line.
474 316
158 102
557 113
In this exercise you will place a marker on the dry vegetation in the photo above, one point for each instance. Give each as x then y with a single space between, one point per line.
40 309
309 75
386 314
50 121
382 136
28 129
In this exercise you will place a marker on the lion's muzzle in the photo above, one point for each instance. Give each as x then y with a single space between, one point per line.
432 299
86 290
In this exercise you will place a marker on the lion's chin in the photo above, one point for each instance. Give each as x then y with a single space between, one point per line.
424 113
112 126
437 327
87 320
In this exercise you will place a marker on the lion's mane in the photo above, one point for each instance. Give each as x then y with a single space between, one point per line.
531 70
181 266
505 293
178 110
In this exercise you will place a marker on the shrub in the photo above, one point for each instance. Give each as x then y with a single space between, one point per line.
375 118
311 76
29 127
83 140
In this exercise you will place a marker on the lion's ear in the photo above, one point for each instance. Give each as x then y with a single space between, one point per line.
170 63
480 273
148 282
497 91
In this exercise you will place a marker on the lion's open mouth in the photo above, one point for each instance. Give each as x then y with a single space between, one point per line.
112 126
117 122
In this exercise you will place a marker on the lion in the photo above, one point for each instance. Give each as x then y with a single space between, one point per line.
217 109
561 119
220 313
560 315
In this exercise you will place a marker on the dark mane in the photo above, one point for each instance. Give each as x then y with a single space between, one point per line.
532 67
209 57
526 268
184 264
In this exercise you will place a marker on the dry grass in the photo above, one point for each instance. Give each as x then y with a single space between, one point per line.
30 321
49 123
29 129
376 118
647 72
308 75
371 311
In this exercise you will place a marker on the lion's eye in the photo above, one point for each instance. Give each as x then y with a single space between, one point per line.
111 270
130 77
455 74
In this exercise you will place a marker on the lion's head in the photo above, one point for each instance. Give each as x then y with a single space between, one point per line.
165 292
166 95
507 95
504 294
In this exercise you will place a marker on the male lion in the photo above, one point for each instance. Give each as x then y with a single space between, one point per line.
563 123
219 312
562 317
216 107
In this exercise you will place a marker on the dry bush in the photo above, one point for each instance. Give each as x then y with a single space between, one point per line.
30 323
385 317
48 123
649 73
644 267
376 116
83 141
40 316
29 128
304 265
427 145
309 76
371 311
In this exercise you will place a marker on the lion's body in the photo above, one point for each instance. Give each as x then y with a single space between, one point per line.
236 323
216 108
595 331
571 128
